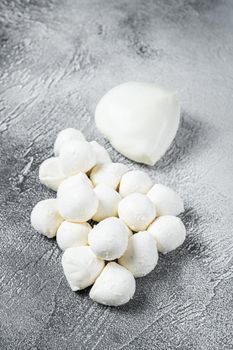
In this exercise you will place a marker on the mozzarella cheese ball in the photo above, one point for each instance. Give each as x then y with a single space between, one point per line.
72 183
78 205
108 202
134 181
65 136
50 173
81 267
141 255
101 153
72 234
168 231
77 156
137 211
167 201
109 239
108 174
45 217
139 119
115 286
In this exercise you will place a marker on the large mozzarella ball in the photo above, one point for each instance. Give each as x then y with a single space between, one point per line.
115 286
50 173
81 267
109 239
141 255
134 181
72 182
102 156
77 156
139 119
108 174
108 202
168 231
78 205
45 217
65 136
72 234
137 211
167 201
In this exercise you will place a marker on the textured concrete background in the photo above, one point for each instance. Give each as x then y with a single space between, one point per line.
57 58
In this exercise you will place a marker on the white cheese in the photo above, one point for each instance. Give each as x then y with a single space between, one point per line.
137 211
77 156
81 267
140 120
167 201
79 204
72 234
108 202
65 136
102 156
109 239
141 255
168 231
134 181
45 217
115 286
108 174
50 173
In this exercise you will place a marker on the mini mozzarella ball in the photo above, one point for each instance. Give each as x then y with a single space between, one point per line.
102 156
65 136
78 205
137 211
72 183
108 174
134 181
168 231
115 286
109 239
108 202
72 234
45 217
81 267
141 255
50 173
77 156
167 201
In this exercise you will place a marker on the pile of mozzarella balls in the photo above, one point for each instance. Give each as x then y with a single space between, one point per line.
133 219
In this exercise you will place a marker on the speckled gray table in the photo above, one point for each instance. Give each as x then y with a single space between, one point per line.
57 58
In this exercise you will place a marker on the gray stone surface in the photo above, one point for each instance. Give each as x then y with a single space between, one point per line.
57 58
